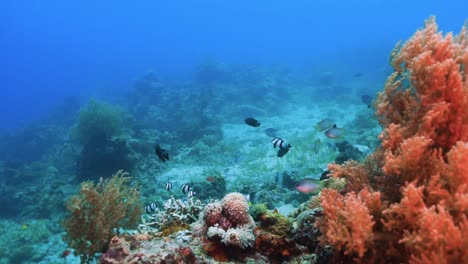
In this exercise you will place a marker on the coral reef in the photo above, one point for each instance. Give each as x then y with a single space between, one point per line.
177 215
97 211
226 227
139 249
408 201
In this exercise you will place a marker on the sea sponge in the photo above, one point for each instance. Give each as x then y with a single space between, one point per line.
236 209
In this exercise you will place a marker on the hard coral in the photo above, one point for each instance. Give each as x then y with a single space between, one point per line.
236 209
226 226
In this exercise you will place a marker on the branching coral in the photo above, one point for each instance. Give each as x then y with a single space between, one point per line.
177 215
97 211
421 168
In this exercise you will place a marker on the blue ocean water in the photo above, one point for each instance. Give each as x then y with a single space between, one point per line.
53 49
170 91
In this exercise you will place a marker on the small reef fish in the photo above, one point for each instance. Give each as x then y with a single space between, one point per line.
335 132
282 145
185 188
149 208
169 186
271 132
282 151
307 185
161 153
357 75
325 175
24 226
252 122
367 100
316 146
191 193
65 253
324 124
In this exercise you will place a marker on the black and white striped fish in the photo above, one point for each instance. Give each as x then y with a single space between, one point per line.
169 186
185 188
191 193
149 208
282 145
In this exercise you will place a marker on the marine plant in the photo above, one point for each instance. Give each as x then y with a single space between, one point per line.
408 202
98 211
98 120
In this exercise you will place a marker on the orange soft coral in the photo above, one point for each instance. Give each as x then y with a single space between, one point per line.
347 223
436 68
355 174
424 112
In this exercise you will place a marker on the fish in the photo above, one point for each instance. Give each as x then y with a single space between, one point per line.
278 142
271 132
282 145
307 185
367 100
149 208
316 146
252 122
335 132
65 253
191 193
169 186
161 153
282 152
185 188
357 75
324 124
24 226
325 175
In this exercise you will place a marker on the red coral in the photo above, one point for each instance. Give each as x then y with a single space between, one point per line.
424 112
355 174
347 223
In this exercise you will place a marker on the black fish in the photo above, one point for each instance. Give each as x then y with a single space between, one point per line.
283 151
325 175
191 193
367 100
271 132
252 122
161 153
